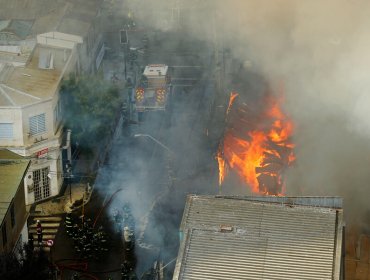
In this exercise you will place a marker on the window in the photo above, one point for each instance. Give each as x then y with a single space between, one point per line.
5 238
37 124
41 183
57 113
12 215
6 131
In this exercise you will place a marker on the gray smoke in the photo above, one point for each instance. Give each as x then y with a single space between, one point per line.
319 49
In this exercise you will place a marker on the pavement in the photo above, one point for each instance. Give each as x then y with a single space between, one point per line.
78 192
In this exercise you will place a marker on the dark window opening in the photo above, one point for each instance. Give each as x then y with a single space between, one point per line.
5 238
12 215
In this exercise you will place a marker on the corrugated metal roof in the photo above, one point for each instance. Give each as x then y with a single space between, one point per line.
45 14
20 28
12 170
267 240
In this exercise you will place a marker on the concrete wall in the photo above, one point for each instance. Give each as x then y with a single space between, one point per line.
53 161
34 110
14 116
58 39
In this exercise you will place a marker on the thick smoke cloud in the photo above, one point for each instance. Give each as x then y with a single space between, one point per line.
319 49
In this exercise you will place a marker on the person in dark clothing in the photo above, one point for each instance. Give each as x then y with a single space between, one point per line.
39 232
30 242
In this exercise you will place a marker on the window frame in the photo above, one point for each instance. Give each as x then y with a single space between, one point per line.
58 113
39 124
6 137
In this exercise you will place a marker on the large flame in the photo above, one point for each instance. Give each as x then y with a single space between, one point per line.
260 154
219 156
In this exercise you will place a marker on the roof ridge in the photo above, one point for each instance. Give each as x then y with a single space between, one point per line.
3 92
21 92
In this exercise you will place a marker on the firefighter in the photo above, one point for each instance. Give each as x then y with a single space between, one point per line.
125 270
39 232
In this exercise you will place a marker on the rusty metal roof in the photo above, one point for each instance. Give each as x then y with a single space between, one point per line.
12 170
241 238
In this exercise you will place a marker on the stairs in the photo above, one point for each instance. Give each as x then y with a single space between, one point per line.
50 226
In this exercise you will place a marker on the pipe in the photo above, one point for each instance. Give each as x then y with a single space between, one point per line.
68 145
156 141
105 205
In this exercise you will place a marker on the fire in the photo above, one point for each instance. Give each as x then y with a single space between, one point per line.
220 157
233 95
259 154
221 166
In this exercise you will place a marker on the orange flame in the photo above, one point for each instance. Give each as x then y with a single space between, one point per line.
219 157
233 95
260 155
221 166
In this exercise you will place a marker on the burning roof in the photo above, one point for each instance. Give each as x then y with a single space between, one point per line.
257 145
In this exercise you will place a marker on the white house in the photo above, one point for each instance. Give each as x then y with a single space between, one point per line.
30 113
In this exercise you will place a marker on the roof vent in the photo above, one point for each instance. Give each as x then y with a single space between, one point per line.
226 228
46 59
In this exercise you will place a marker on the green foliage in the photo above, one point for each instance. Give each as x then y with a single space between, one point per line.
90 106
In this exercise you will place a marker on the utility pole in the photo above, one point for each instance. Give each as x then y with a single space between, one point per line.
175 15
124 43
69 178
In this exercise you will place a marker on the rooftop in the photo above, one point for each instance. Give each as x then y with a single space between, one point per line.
17 53
37 81
26 9
12 170
251 238
155 70
24 18
74 26
15 29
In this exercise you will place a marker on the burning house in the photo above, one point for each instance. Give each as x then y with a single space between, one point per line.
257 143
266 237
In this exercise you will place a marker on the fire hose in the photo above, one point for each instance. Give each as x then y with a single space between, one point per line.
105 205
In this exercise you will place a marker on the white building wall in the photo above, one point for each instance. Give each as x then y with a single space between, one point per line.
34 110
52 161
58 39
13 116
44 148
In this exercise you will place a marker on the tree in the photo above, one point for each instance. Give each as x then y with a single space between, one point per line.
90 108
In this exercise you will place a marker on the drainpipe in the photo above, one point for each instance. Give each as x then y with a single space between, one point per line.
68 146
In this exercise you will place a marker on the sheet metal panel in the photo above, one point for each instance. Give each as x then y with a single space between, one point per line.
267 240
